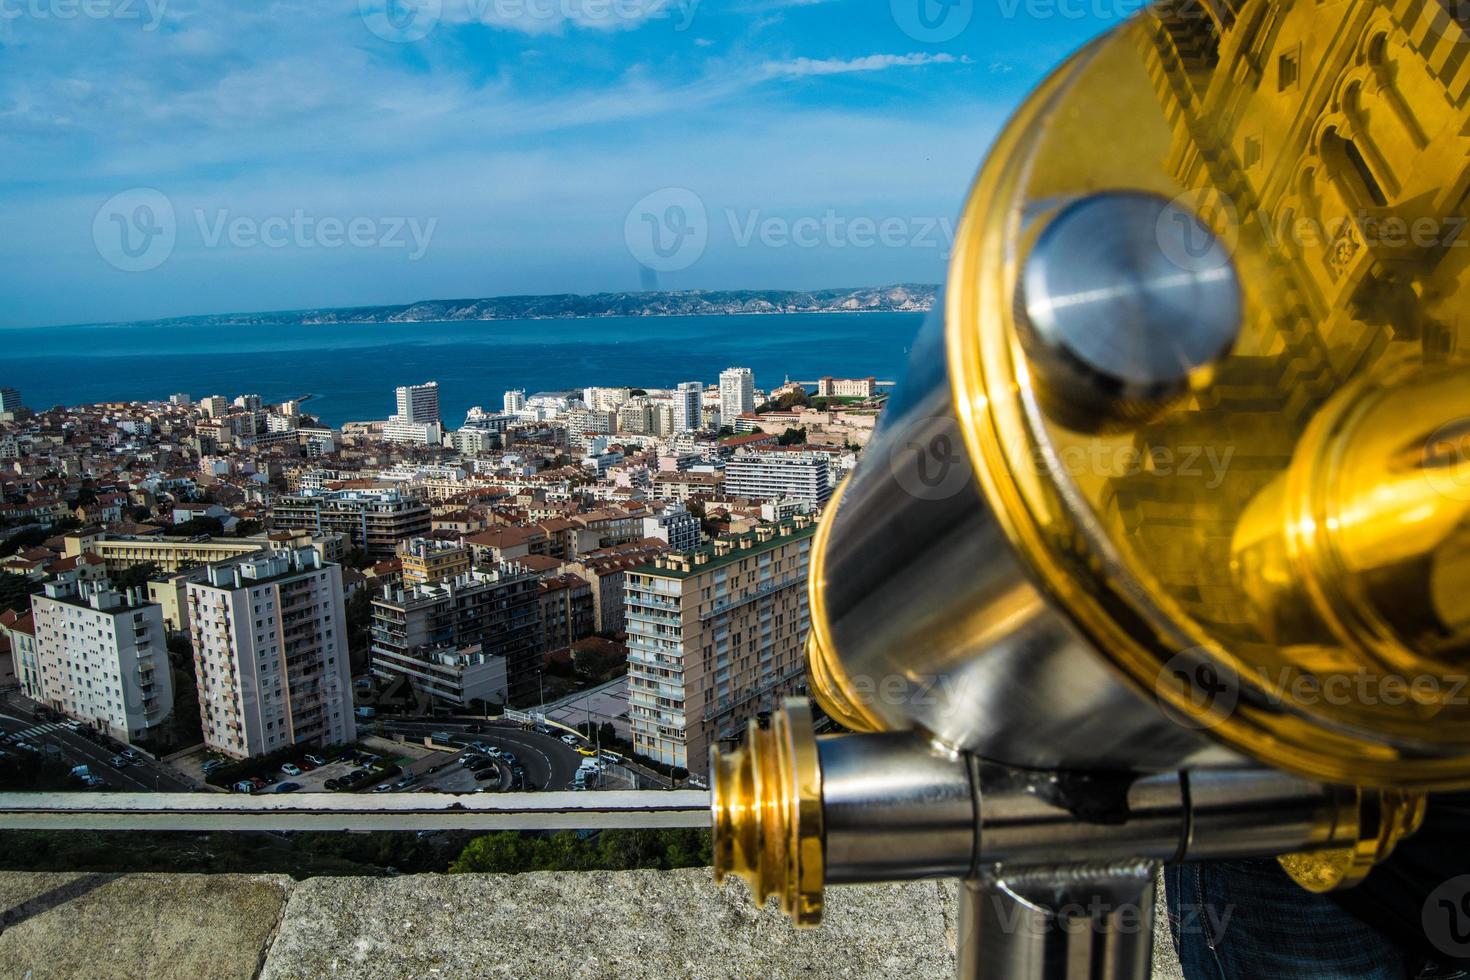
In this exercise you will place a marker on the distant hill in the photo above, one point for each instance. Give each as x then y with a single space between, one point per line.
879 299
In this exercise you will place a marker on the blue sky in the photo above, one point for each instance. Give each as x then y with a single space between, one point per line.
169 157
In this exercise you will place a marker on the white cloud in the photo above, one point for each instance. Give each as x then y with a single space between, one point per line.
803 67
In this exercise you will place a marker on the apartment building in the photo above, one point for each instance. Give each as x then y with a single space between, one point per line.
737 394
714 637
496 609
689 407
604 570
675 525
418 403
427 560
100 657
806 477
171 554
270 653
372 519
567 610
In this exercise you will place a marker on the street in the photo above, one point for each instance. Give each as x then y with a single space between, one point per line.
548 763
18 715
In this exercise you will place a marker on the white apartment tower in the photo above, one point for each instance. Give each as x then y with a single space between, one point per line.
270 651
102 657
688 407
737 394
419 403
513 401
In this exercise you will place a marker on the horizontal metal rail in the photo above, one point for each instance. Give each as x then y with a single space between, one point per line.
335 811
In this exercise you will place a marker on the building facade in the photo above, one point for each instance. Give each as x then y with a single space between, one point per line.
497 610
374 520
715 637
427 560
737 394
806 477
270 653
101 657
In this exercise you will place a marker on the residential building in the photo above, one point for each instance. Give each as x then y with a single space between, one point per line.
567 610
9 400
270 653
412 433
779 476
171 593
604 570
497 609
419 403
688 407
171 554
452 676
715 636
102 657
675 525
19 629
374 520
513 402
427 560
737 394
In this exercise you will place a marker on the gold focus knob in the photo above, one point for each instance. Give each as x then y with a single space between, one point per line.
1384 819
767 812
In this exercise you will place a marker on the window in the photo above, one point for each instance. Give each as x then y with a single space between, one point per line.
1289 69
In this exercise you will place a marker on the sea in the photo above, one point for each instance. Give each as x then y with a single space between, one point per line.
351 370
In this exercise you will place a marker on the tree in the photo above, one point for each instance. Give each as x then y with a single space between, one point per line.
211 526
137 575
503 852
16 591
248 528
357 558
793 437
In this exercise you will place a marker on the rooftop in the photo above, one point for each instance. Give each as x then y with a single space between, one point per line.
725 551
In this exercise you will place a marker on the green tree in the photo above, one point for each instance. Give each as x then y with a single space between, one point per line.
793 437
504 852
248 528
137 575
16 591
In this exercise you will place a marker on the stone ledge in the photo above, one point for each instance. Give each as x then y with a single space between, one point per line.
640 924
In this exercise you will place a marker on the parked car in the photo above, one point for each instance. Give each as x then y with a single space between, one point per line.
287 787
383 788
210 765
406 781
584 750
80 771
509 758
243 786
316 760
118 762
570 739
74 725
332 784
441 737
131 755
487 773
93 782
291 769
544 729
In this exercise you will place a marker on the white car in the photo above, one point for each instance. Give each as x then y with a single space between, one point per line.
570 739
291 769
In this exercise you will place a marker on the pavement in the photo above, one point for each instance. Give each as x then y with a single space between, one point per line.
19 715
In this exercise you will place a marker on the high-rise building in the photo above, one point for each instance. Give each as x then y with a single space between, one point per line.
675 525
688 406
419 404
251 403
374 520
214 406
714 636
806 477
513 401
635 417
496 611
9 400
737 394
181 399
663 420
270 653
102 657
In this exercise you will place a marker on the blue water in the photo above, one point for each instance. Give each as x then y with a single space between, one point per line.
352 369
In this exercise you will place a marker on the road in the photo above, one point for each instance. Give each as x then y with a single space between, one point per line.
16 715
605 703
548 763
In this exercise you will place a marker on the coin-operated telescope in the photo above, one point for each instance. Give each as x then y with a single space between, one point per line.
1161 551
